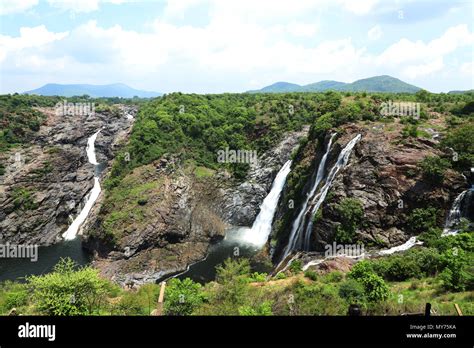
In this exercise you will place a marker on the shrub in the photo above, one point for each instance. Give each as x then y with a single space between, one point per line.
410 131
455 276
258 277
182 297
311 275
352 291
422 219
375 288
434 168
68 290
361 269
280 275
350 212
263 309
296 266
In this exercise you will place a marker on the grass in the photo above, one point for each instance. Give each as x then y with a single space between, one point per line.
203 172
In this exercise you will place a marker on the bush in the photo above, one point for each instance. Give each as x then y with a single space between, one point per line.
375 289
455 276
311 275
422 219
280 275
410 131
182 297
296 266
350 212
434 168
361 269
352 291
263 309
68 290
258 277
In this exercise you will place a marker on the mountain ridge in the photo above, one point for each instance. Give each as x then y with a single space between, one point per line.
95 91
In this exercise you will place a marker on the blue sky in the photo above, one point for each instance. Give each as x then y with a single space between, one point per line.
213 46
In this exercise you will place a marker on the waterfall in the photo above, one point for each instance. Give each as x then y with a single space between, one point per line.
294 235
258 234
319 199
90 149
457 212
72 230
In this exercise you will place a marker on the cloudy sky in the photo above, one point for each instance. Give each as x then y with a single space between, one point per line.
211 46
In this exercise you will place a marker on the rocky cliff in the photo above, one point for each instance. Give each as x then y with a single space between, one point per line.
46 182
383 174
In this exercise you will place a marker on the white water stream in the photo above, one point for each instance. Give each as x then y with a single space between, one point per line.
73 229
258 234
299 234
295 228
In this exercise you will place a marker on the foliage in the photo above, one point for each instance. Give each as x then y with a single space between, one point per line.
296 266
311 275
434 168
422 219
263 309
461 139
350 212
455 276
375 288
68 290
23 199
352 291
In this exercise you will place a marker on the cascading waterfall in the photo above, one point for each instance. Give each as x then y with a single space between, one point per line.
258 234
295 229
308 211
456 212
72 230
319 199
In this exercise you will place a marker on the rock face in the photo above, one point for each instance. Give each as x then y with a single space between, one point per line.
45 183
241 203
383 174
177 216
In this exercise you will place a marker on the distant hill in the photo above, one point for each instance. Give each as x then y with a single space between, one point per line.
96 91
382 83
461 92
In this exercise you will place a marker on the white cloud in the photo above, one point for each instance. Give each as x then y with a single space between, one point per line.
35 37
359 7
375 33
468 69
415 71
81 6
417 58
16 6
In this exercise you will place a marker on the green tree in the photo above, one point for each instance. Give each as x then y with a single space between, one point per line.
455 275
182 297
68 290
350 212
